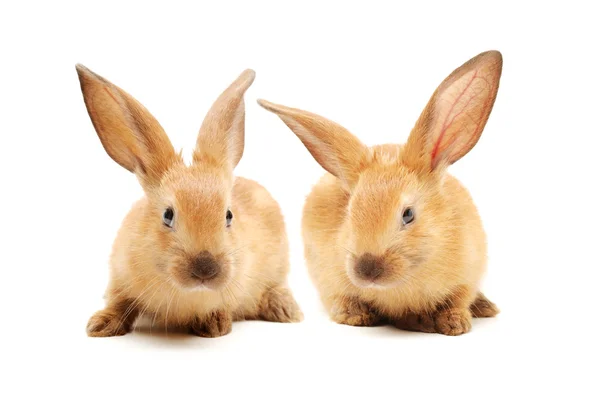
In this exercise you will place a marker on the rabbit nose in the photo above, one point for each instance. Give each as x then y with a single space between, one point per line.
369 266
205 266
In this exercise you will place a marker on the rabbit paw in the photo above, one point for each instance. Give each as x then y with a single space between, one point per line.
278 305
483 308
215 324
452 321
106 323
352 311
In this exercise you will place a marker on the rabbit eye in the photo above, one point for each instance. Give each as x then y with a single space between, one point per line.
228 218
408 216
168 216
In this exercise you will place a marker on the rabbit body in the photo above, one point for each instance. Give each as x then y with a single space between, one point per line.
202 248
389 235
259 251
459 250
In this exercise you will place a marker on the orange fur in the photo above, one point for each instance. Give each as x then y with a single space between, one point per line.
151 263
367 265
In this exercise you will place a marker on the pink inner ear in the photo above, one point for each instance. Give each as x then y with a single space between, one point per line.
462 108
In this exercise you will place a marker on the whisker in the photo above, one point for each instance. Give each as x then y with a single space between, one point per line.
173 292
137 301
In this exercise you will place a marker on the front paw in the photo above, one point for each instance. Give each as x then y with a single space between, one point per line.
215 324
106 324
278 305
453 321
483 308
352 311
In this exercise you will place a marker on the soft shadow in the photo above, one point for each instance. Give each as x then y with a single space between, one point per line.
390 331
171 336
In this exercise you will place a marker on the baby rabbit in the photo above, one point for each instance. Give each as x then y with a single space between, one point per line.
389 235
202 248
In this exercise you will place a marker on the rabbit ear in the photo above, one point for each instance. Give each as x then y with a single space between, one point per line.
221 136
333 146
456 114
129 133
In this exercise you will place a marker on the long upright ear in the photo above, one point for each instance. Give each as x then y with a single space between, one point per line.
333 146
456 114
129 133
221 136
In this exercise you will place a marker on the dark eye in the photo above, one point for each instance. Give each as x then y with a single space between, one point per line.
228 218
408 216
168 216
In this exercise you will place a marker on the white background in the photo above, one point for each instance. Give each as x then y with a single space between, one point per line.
372 68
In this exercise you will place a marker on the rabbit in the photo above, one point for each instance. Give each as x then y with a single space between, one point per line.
389 236
202 248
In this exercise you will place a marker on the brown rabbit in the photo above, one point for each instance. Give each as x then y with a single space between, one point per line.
202 248
389 235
